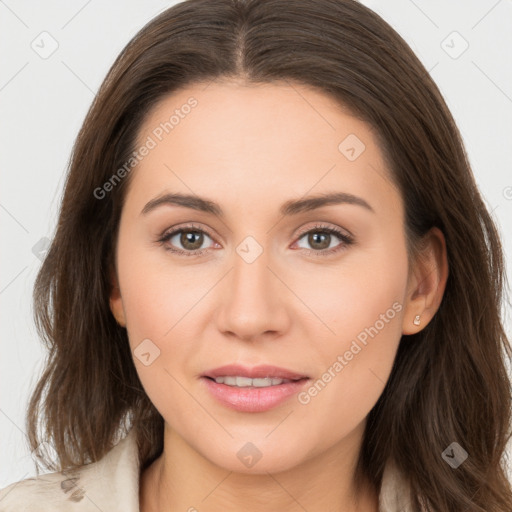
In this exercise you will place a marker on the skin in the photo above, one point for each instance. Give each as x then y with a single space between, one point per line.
250 149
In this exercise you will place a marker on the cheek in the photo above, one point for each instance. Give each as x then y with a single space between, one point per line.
163 304
346 298
361 309
159 304
157 293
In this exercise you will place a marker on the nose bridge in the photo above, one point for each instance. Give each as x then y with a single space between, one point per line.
250 302
251 278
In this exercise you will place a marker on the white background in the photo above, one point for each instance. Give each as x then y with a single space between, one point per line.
43 103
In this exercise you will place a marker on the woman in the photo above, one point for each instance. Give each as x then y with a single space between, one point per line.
261 291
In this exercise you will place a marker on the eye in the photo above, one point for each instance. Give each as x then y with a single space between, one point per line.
189 237
321 239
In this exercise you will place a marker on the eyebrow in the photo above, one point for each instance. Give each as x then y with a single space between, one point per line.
290 207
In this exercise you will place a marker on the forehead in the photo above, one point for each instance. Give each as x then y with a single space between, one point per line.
249 143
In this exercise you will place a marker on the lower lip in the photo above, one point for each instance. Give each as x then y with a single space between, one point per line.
251 399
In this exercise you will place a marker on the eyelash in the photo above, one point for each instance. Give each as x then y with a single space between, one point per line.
344 237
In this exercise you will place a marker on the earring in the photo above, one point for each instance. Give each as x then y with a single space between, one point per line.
416 320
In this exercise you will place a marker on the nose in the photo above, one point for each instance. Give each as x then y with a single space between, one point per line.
253 299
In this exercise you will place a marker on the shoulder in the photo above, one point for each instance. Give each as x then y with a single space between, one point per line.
111 483
50 492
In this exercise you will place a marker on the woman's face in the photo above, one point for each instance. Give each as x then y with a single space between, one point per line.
271 286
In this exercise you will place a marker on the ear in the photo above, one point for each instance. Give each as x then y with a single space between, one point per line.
116 301
427 282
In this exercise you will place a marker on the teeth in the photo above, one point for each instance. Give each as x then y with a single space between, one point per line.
244 382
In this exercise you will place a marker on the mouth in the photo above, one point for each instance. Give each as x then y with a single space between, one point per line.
256 389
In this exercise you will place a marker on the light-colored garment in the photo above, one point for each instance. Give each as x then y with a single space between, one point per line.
112 485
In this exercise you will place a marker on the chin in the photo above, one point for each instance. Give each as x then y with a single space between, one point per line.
256 458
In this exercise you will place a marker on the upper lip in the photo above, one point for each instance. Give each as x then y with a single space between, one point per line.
255 372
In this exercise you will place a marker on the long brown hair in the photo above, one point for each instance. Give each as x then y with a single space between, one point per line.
449 382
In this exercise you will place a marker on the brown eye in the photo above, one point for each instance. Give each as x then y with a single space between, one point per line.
186 241
321 239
